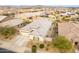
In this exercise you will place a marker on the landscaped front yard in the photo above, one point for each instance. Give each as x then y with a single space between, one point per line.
59 44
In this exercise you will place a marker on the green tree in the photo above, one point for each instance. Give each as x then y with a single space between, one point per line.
55 29
62 44
7 31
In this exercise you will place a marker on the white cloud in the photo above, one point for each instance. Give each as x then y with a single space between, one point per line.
39 2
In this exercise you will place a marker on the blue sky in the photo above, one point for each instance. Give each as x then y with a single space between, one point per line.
39 2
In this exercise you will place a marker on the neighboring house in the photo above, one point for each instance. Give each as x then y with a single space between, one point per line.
2 18
28 15
38 28
11 23
69 30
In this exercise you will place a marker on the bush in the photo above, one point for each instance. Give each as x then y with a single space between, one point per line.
41 46
34 49
62 44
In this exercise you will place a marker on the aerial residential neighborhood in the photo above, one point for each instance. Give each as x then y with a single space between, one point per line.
39 29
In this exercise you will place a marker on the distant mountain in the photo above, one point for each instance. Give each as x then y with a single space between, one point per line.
39 6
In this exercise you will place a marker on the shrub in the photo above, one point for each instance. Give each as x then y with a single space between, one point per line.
41 46
34 49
